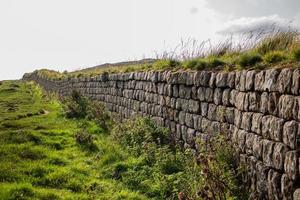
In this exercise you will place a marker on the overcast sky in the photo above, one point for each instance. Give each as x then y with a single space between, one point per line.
72 34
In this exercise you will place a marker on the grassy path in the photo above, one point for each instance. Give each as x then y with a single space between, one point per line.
39 157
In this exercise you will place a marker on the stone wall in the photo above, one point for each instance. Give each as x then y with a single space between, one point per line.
259 110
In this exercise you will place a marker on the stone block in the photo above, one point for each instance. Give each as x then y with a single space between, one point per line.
231 80
259 81
257 147
250 78
268 147
189 120
290 133
285 106
217 96
246 121
276 128
273 103
284 81
256 123
270 83
194 106
221 79
204 108
201 93
264 101
295 82
226 97
291 164
274 185
209 95
287 187
279 155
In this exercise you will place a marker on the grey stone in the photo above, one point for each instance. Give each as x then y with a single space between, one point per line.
256 123
268 147
284 80
287 187
259 81
201 93
221 80
194 106
274 182
246 121
290 133
285 106
218 96
270 80
279 155
295 82
250 77
291 164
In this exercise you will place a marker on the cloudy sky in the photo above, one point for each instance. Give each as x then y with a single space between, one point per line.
73 34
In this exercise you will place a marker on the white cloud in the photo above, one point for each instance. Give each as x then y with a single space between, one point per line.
257 24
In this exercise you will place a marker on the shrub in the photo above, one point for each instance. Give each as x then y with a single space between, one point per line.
214 62
296 54
136 133
76 106
197 64
86 140
274 57
98 113
165 64
249 59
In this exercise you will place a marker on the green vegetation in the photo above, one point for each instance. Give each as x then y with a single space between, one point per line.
49 150
265 51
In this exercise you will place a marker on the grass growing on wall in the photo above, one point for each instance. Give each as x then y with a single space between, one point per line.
275 49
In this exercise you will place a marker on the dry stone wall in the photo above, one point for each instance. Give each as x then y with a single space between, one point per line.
259 110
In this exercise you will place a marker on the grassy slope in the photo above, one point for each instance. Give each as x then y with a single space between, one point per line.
40 158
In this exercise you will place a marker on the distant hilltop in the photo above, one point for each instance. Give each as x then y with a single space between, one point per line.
119 64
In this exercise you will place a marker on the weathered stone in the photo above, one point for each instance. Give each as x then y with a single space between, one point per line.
268 147
232 97
204 109
212 80
287 187
190 136
246 121
285 106
194 106
209 95
270 80
256 123
201 93
221 112
181 117
239 100
185 92
253 101
194 93
249 143
189 120
250 76
189 78
284 80
295 82
257 146
291 164
231 79
237 118
212 111
262 180
273 103
196 119
265 130
175 91
229 115
290 133
217 96
241 140
259 81
226 97
296 195
202 78
276 127
221 80
274 182
264 101
279 155
242 83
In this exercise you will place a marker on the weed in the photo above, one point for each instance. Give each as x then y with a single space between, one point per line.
274 57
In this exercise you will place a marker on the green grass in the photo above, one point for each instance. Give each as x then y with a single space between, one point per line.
40 158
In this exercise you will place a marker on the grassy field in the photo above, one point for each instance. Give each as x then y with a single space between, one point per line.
47 155
40 158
